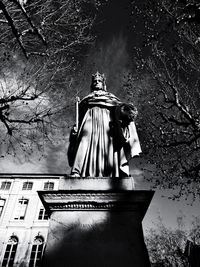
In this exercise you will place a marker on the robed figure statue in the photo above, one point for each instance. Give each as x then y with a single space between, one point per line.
105 138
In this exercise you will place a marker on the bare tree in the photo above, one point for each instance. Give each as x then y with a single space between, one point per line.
171 113
41 47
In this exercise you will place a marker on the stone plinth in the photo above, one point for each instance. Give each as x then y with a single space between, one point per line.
97 183
96 222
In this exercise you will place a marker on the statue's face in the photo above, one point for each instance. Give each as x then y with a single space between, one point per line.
98 84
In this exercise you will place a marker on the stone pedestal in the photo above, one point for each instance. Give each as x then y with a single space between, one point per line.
96 222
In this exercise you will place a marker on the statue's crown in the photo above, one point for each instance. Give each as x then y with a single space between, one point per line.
98 76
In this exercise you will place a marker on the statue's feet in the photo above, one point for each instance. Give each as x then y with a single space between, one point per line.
75 175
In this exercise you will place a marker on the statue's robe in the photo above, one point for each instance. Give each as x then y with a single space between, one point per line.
102 148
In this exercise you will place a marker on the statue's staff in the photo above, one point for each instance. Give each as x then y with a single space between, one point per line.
77 112
73 135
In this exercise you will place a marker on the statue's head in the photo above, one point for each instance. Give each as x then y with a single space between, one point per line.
98 82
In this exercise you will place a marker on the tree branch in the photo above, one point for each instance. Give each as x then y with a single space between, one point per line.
35 29
13 28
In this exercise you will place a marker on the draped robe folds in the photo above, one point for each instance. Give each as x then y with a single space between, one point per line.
98 150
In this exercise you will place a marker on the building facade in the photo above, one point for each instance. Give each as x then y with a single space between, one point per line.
23 220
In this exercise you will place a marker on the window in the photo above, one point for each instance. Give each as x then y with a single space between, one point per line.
42 214
48 186
36 252
2 203
10 252
5 185
27 186
21 209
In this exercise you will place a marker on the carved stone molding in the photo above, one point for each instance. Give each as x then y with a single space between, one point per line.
66 200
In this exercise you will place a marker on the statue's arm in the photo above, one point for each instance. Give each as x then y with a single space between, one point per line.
125 115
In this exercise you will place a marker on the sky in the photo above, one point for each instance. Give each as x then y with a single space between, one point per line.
112 55
161 206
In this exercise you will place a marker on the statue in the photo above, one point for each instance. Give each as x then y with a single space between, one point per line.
104 138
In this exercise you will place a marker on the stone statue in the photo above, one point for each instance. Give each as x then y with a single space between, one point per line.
105 138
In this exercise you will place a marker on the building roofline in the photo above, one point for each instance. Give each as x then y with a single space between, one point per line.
31 175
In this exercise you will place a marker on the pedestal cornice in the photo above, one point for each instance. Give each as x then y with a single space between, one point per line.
69 200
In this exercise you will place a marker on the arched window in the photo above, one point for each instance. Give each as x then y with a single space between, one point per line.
10 252
36 252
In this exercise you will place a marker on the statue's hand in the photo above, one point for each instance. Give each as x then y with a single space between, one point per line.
127 113
74 130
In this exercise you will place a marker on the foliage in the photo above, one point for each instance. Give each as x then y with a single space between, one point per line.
166 246
170 120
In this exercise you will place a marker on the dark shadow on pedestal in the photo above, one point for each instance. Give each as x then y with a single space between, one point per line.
97 229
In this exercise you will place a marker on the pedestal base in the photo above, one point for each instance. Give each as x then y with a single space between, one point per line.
96 228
